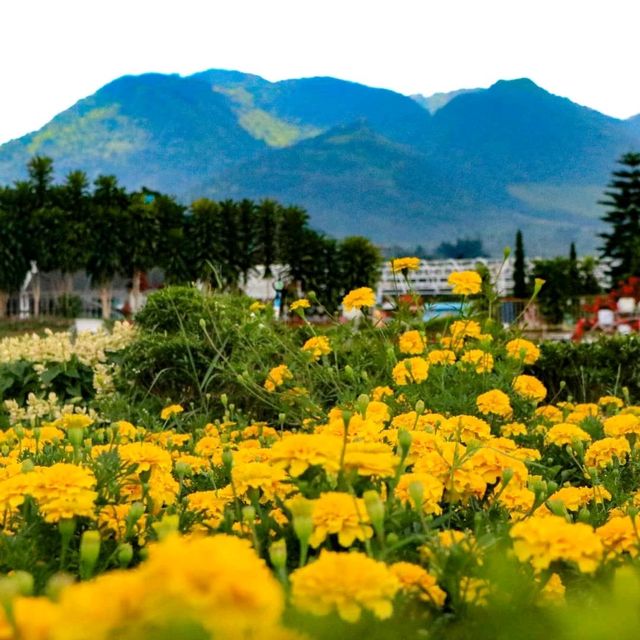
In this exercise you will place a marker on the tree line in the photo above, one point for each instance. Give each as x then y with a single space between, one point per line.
107 231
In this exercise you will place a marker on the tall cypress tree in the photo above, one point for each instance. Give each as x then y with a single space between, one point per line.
520 289
622 242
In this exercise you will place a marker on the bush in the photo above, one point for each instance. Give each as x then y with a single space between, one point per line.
68 305
590 370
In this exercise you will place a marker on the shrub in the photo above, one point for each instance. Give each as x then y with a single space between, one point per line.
590 370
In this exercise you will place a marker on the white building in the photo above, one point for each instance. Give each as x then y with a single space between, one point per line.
431 278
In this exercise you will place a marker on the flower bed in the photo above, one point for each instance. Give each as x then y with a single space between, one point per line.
439 494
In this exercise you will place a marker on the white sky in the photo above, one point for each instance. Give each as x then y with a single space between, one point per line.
54 52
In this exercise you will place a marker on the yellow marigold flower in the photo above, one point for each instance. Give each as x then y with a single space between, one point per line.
450 537
277 377
358 298
64 491
454 343
517 500
112 521
317 346
341 514
523 350
575 497
303 303
232 593
543 540
259 475
126 431
257 306
74 421
410 421
370 459
620 535
35 618
410 370
513 429
379 393
300 451
412 342
610 401
474 590
377 411
414 580
465 282
553 591
405 264
621 425
208 447
145 456
424 484
549 413
210 505
495 402
15 487
441 356
530 388
171 410
49 435
565 433
603 452
465 428
465 329
480 360
346 583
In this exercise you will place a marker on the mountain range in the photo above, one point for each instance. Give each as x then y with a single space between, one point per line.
402 170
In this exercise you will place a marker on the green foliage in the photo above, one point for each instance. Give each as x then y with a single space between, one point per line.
622 242
586 371
565 280
68 305
70 379
461 248
520 289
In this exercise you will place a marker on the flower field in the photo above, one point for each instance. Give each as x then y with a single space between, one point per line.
365 479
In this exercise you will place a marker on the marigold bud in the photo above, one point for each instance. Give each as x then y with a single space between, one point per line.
375 509
278 554
75 436
182 469
248 514
124 554
89 553
416 493
404 440
227 458
23 581
167 526
362 403
57 583
419 407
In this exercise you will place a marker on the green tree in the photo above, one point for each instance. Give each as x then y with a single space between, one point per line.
359 262
229 264
267 229
247 228
13 258
203 232
555 297
292 249
70 242
622 241
461 249
107 234
520 288
145 232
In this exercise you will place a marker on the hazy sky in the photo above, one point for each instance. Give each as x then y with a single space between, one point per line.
54 52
